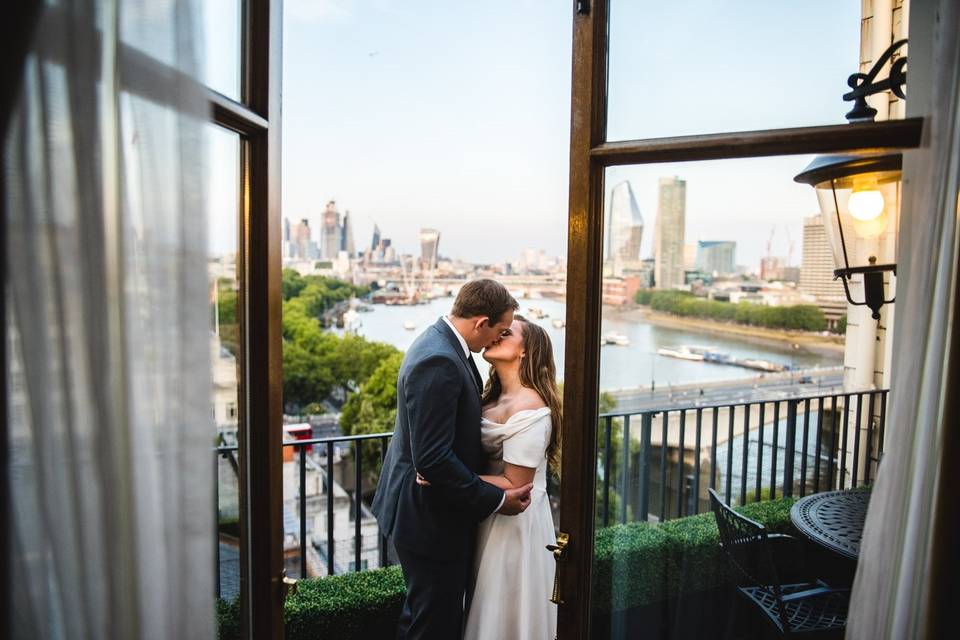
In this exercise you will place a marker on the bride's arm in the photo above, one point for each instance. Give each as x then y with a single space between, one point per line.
513 476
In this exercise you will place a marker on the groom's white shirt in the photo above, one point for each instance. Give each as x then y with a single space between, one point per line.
466 352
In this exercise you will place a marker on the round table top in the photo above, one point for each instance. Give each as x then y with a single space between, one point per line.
833 519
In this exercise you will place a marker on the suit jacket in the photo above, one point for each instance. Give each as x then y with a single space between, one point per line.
437 433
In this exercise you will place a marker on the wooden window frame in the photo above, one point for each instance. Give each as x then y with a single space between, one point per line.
256 118
590 155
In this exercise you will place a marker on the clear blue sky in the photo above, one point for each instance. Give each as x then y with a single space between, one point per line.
455 114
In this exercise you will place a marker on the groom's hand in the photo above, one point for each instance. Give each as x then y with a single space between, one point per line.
516 500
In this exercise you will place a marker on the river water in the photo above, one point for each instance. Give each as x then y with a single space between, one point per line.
621 366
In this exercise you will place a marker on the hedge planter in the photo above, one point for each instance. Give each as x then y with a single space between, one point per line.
637 567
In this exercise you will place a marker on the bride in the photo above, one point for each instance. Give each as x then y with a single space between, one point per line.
520 433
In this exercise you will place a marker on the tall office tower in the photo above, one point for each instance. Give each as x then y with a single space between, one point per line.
300 240
717 256
375 243
771 268
330 232
429 248
669 232
346 237
624 225
816 269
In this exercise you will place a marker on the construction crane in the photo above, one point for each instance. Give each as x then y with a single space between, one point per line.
790 246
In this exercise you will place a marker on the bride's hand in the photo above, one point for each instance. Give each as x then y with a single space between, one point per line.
422 481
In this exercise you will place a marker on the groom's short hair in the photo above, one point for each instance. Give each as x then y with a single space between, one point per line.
483 297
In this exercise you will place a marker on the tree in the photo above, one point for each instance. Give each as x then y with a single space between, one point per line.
373 409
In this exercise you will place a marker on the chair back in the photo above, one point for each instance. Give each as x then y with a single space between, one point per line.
744 541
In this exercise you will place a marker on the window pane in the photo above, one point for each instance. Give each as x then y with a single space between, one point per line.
718 322
223 192
222 54
699 66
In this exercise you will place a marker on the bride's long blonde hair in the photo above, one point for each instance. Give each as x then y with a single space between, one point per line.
537 372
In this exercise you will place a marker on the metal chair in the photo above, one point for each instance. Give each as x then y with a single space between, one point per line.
799 609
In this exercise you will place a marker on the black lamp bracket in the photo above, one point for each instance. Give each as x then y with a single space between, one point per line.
865 84
872 285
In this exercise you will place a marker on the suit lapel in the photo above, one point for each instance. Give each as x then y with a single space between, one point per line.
468 362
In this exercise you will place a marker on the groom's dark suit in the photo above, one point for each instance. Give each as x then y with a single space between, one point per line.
434 528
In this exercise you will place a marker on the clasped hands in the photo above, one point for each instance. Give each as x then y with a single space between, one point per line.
515 501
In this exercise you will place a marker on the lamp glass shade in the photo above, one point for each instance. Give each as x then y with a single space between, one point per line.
860 216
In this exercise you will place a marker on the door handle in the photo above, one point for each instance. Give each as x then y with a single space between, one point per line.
558 555
287 585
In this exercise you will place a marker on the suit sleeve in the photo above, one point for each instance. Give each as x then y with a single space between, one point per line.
431 391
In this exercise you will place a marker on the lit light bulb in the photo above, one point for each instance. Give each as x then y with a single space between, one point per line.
865 205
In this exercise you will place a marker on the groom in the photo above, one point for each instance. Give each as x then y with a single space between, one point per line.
437 434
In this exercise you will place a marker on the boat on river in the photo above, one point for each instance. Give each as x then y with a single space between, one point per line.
559 323
681 353
616 339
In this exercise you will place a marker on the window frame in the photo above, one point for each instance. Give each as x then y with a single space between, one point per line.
590 155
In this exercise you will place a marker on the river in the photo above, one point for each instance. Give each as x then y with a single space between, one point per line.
621 367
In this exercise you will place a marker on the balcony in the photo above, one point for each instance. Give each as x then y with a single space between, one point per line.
652 507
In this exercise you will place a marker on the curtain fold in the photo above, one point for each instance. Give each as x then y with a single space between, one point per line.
890 594
107 329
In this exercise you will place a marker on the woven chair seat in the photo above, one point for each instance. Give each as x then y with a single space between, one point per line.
822 609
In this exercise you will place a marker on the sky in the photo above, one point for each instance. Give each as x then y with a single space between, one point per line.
456 114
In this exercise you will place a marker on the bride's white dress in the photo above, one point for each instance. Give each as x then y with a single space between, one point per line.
513 571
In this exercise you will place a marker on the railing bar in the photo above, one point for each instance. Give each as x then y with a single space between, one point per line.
625 471
358 491
680 460
606 472
774 450
330 565
834 440
842 470
646 426
819 447
758 482
790 448
303 511
696 464
743 461
731 415
216 515
856 439
663 466
882 426
713 450
869 448
804 447
383 539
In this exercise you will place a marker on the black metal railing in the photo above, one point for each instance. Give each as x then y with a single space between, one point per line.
808 440
770 447
328 445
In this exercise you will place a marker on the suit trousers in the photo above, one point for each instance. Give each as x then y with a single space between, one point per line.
433 608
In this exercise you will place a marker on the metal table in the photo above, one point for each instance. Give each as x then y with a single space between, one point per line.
833 519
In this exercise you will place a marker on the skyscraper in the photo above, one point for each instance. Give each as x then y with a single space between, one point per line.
375 243
346 236
624 225
816 270
429 248
300 240
716 256
669 232
330 232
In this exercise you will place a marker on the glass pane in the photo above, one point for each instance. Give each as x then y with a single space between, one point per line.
222 51
721 355
223 193
699 66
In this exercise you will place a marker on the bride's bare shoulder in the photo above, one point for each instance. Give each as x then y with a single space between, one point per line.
528 400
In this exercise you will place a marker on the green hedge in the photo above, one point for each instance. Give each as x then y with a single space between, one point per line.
635 564
354 605
642 563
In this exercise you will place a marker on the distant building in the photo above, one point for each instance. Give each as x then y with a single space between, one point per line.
346 236
331 233
620 291
716 257
375 242
429 248
771 268
816 270
300 240
669 233
689 257
624 227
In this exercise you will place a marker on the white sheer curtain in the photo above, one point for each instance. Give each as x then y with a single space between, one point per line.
107 327
890 591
